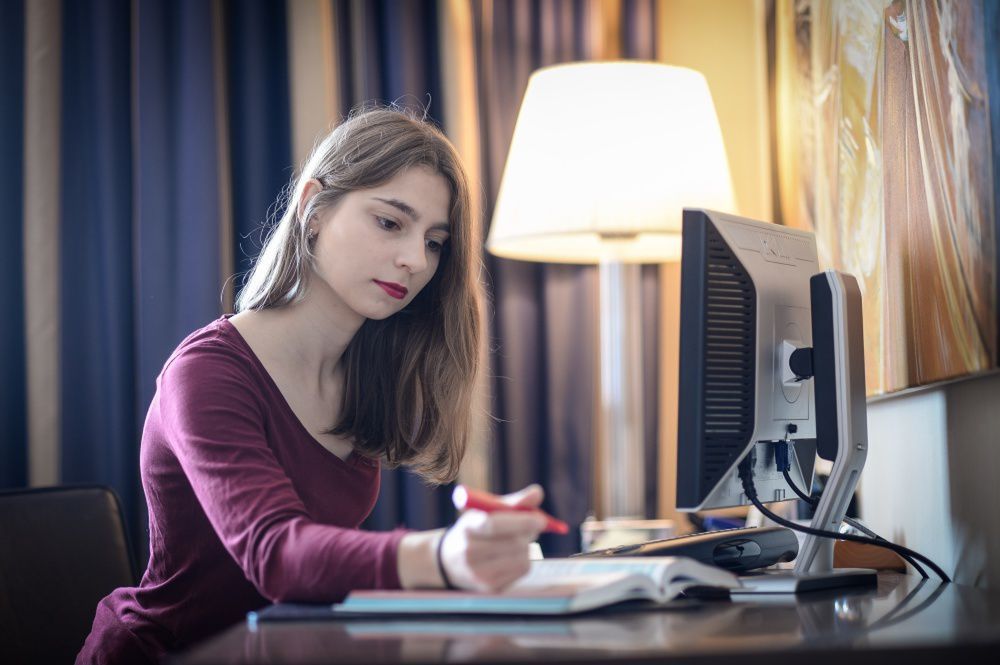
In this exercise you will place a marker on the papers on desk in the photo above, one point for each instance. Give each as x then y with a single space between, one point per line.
555 587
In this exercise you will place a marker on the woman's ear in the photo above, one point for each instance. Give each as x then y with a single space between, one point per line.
312 188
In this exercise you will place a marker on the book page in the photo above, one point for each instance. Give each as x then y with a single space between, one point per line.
548 571
662 571
570 582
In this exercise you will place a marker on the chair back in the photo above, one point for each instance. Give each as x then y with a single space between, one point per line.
62 549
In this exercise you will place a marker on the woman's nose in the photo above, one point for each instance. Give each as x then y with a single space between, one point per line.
413 257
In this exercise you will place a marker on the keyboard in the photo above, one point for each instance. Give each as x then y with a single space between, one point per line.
738 550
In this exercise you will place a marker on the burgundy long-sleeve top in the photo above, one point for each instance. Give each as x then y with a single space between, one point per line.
245 508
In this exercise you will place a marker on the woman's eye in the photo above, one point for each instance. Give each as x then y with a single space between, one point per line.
434 246
387 224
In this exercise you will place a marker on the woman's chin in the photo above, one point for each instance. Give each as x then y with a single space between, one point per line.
382 311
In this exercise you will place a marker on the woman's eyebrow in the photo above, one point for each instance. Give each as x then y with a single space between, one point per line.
402 206
410 212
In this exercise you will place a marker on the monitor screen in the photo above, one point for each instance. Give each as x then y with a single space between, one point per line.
745 307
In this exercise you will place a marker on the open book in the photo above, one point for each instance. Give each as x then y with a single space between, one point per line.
555 586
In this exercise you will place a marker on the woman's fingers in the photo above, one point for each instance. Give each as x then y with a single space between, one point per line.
531 496
498 574
488 551
484 551
503 524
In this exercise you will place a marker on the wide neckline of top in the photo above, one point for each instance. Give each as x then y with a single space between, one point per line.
353 459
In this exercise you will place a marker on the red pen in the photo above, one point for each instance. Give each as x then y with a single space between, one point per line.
470 499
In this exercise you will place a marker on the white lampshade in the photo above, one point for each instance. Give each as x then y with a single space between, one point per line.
604 158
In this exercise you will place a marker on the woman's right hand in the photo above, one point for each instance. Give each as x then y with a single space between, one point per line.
489 551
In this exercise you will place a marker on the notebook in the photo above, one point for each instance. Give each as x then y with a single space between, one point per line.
555 587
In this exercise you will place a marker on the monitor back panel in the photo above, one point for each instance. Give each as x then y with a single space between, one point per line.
744 294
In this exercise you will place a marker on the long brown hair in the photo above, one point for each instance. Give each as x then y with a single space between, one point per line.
409 379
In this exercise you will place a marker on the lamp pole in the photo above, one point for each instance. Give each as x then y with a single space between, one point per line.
621 449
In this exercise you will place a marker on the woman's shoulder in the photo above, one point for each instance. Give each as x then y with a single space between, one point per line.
211 380
214 351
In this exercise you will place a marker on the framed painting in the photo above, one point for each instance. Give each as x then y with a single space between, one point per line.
884 148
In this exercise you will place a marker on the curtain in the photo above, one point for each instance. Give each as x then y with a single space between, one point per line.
157 140
545 323
168 117
13 392
98 430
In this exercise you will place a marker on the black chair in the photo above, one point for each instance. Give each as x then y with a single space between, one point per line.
62 549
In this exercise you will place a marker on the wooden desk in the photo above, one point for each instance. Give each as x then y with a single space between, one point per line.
902 621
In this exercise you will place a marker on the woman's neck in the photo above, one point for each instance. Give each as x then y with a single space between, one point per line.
307 338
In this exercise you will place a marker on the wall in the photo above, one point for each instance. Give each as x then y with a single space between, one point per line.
725 40
932 478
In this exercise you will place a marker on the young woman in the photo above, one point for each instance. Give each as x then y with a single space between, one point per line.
356 343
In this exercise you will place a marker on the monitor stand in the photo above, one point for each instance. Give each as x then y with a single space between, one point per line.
841 431
782 581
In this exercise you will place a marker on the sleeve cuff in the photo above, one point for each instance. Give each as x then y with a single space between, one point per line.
387 575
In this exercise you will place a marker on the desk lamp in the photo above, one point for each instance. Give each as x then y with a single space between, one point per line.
604 157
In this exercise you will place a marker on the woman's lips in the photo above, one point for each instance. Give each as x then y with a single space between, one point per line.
397 291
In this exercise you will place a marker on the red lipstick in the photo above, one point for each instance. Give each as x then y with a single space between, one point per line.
397 291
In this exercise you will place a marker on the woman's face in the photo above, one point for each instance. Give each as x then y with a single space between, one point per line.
377 248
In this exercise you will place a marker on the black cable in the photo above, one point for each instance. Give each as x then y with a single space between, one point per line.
795 488
783 463
814 501
746 476
898 549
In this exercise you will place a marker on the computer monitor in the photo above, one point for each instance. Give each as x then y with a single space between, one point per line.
771 358
744 307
